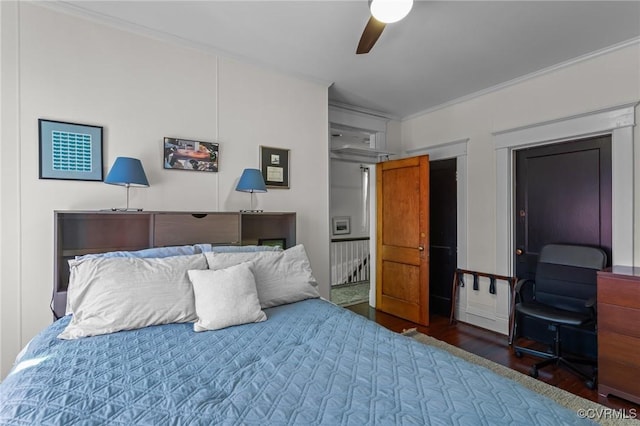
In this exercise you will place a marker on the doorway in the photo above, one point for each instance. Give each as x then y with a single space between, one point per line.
443 234
563 195
618 122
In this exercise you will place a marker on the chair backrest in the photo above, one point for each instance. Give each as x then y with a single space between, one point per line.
566 275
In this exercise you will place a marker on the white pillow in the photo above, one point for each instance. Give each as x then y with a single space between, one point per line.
154 252
225 297
281 277
113 294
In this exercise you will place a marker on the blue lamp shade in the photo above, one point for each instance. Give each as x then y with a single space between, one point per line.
127 171
251 181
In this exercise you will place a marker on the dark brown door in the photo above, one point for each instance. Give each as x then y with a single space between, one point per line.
402 242
563 195
443 236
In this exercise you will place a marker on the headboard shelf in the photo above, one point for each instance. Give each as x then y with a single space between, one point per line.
82 252
172 229
82 232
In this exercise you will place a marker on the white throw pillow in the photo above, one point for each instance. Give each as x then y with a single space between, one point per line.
113 294
281 277
225 297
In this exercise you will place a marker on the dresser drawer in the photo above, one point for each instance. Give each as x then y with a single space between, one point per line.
618 334
618 319
618 291
619 348
618 364
619 378
184 228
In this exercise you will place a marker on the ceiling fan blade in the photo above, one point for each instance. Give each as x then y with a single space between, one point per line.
370 35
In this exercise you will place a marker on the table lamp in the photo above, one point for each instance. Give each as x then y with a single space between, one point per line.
251 181
127 172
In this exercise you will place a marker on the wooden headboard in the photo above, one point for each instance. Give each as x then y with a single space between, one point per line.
77 233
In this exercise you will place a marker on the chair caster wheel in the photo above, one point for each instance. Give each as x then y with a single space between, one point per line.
534 372
590 384
518 354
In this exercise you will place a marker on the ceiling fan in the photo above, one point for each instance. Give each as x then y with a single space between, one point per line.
383 12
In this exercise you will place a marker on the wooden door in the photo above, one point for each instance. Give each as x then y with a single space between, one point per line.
443 235
402 266
563 195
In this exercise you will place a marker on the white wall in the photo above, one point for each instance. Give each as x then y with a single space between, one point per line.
9 188
141 90
394 136
347 197
603 81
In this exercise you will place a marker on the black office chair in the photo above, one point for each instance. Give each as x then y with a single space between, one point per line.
563 297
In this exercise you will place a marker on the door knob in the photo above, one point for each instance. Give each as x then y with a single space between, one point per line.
519 252
421 248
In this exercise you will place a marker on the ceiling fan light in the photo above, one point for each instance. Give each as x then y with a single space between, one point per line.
389 11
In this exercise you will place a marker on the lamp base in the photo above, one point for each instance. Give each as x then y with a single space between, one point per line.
251 211
115 209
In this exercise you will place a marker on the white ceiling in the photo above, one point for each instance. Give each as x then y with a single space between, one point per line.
442 51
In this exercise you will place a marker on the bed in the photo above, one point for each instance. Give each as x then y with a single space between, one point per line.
239 336
311 362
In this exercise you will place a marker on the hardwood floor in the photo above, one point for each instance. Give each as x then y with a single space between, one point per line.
492 346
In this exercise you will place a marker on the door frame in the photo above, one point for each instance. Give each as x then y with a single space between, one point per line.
530 166
374 123
441 151
616 121
455 149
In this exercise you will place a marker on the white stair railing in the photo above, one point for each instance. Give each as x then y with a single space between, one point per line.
349 260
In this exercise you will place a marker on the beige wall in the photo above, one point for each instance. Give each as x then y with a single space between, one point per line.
141 90
607 80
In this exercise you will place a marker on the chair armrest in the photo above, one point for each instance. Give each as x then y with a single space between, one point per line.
521 288
592 304
521 283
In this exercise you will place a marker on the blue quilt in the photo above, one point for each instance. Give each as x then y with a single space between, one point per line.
310 363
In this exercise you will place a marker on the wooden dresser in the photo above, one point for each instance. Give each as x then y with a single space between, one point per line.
619 332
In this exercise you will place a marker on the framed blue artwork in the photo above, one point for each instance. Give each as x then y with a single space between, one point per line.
70 151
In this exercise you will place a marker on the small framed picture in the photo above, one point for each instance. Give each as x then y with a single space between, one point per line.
275 166
273 242
341 225
70 151
185 154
